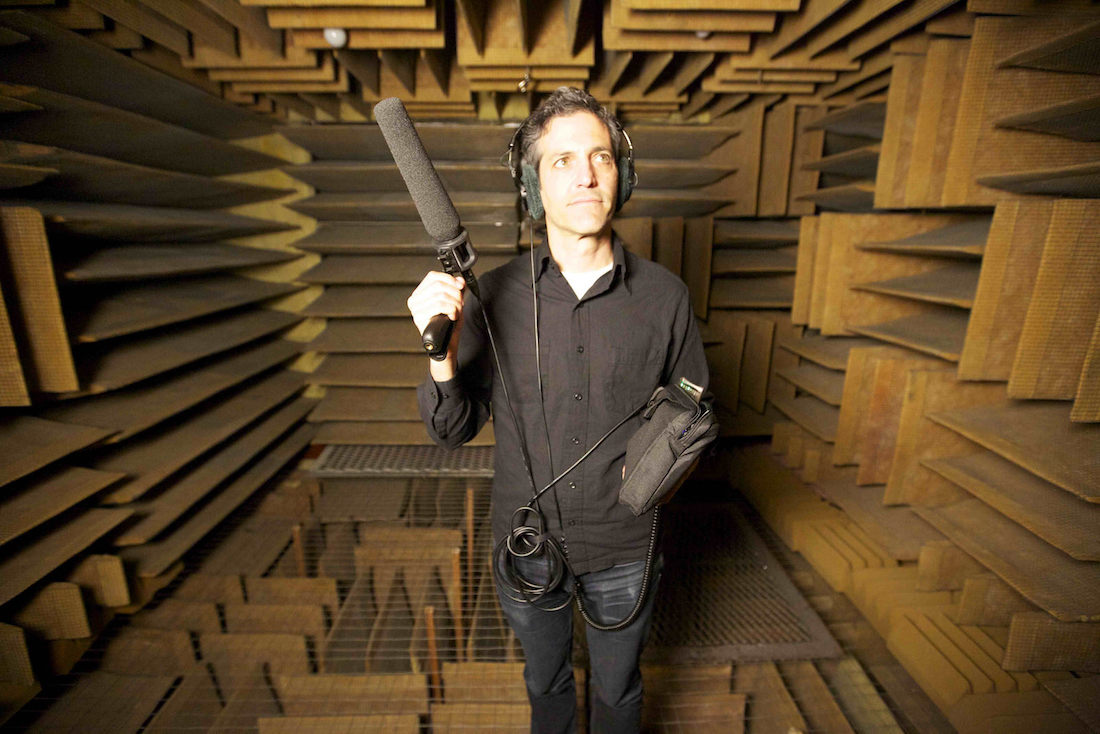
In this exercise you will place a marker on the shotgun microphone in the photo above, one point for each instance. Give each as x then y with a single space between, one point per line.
437 212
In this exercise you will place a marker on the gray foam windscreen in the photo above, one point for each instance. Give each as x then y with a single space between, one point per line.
432 201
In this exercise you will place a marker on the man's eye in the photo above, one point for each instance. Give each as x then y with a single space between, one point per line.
561 162
603 158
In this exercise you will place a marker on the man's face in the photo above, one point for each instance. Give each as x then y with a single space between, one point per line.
577 175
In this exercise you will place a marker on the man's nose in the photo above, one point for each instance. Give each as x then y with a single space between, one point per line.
586 177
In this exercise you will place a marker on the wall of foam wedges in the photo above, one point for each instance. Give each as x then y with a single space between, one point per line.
151 334
936 461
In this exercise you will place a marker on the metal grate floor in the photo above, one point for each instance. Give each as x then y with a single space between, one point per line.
724 596
403 461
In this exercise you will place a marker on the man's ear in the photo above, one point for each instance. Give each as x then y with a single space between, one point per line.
532 197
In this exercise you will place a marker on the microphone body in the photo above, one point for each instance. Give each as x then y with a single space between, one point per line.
437 212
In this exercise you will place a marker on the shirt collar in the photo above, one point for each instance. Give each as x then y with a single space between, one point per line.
618 255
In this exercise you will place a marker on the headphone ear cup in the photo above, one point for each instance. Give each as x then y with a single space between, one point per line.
626 181
532 197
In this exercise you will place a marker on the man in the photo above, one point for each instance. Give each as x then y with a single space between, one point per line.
610 328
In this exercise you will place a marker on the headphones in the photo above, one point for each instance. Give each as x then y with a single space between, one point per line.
526 178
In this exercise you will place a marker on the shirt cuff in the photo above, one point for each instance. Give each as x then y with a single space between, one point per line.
444 395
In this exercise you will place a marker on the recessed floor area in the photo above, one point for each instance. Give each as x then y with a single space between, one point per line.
364 605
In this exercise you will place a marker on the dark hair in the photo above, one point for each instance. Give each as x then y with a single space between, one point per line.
564 101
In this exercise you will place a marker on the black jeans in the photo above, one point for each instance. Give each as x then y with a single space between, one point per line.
547 640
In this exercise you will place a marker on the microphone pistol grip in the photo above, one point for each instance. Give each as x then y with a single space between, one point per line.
437 336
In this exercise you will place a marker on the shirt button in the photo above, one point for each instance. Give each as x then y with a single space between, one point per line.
572 485
577 396
575 441
572 523
580 349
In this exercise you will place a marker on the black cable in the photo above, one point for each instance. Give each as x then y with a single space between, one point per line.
526 540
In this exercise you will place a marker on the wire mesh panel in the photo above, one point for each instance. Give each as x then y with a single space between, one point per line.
374 610
724 597
423 461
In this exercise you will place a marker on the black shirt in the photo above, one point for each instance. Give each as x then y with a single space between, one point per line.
601 357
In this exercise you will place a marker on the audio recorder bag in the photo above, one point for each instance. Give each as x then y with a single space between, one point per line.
678 424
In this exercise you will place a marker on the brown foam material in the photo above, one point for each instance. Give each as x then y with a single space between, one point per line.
808 147
964 240
698 252
383 269
844 308
377 724
770 700
1037 641
136 262
35 306
1069 590
154 558
394 334
13 386
826 384
367 403
176 614
472 206
32 502
856 399
759 292
1064 304
151 458
28 443
1086 405
986 600
92 691
1081 696
1009 268
304 590
938 333
804 271
1039 437
343 301
119 363
34 560
903 103
388 433
829 352
138 308
1050 512
399 238
131 411
954 286
935 120
897 530
95 178
1072 52
56 612
878 431
177 497
813 414
989 93
1075 119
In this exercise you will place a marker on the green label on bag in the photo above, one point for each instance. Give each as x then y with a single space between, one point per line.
691 389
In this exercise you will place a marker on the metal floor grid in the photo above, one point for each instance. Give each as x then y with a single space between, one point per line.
725 598
403 461
725 603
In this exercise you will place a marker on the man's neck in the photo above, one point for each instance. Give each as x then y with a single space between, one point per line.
580 254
